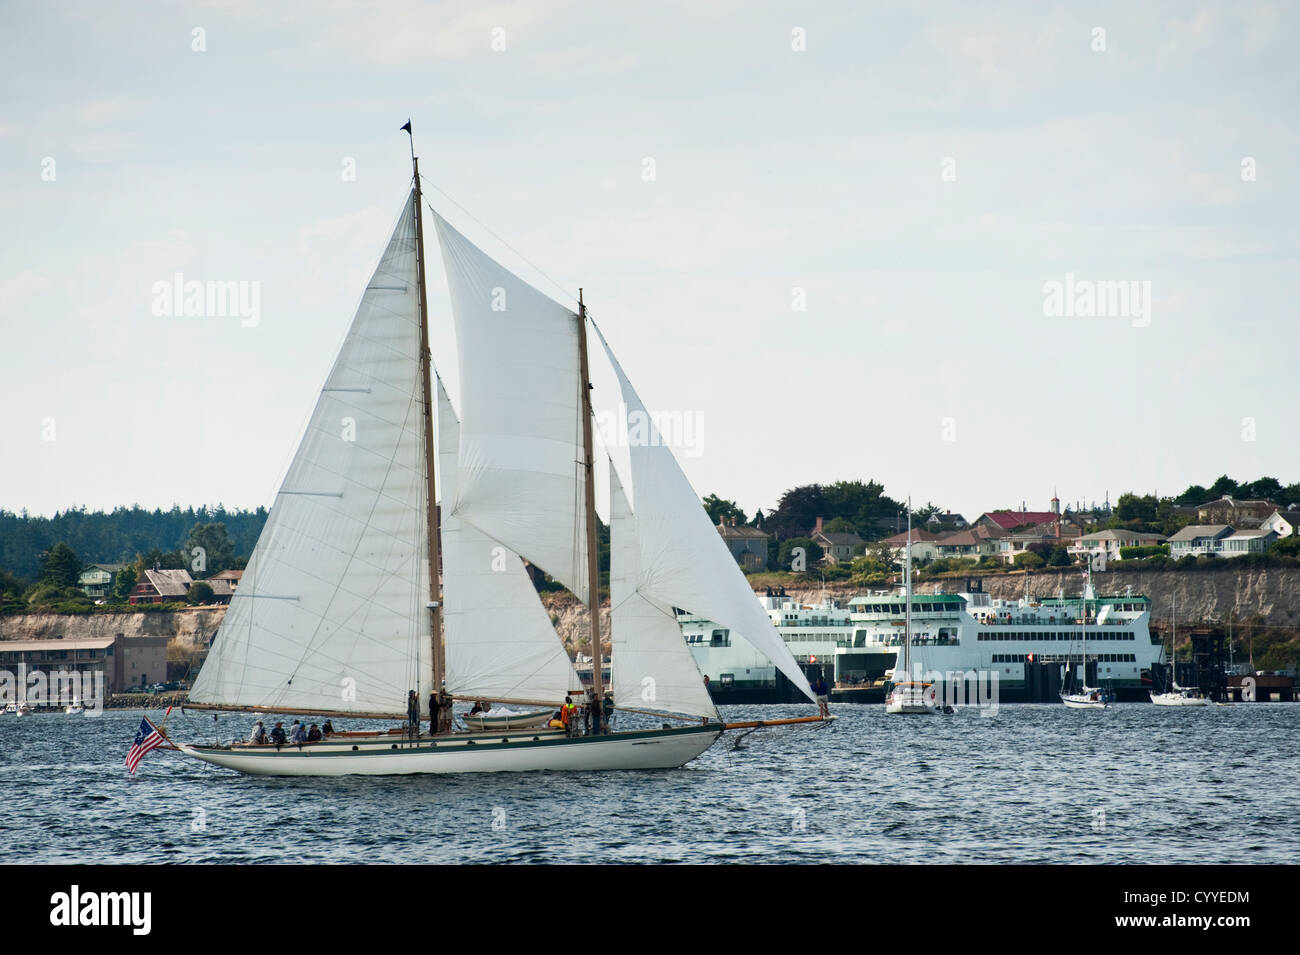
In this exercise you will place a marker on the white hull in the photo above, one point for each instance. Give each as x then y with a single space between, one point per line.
1177 699
903 700
392 756
1082 701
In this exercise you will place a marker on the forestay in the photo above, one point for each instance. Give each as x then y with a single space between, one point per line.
683 561
501 644
518 474
652 666
331 613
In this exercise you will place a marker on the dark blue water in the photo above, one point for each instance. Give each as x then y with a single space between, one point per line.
1135 784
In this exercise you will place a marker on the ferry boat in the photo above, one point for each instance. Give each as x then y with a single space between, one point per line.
737 673
1033 644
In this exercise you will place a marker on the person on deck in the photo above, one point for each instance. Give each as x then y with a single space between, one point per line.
445 716
277 735
823 696
298 735
313 734
258 735
327 729
567 712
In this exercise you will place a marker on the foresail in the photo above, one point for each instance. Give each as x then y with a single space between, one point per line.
331 613
501 644
518 474
684 562
652 666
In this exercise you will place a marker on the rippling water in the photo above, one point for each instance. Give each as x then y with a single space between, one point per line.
1136 783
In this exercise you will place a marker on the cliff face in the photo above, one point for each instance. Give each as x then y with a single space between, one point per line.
1222 594
190 626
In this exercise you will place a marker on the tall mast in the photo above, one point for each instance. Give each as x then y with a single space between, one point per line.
907 595
430 451
588 462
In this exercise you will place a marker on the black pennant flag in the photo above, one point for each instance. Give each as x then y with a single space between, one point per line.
407 127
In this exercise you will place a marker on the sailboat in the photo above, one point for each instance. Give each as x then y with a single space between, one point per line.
341 611
1086 697
1177 695
908 695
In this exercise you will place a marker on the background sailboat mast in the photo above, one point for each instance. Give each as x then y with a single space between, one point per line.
907 595
589 475
430 449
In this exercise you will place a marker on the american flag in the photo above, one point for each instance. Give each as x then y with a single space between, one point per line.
147 737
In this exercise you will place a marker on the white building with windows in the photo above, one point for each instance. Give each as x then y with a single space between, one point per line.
1198 540
1253 540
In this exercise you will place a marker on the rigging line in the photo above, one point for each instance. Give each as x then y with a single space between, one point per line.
567 294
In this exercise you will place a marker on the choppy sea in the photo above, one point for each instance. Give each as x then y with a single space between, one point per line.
1031 784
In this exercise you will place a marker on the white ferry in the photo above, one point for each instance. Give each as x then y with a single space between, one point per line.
737 673
1033 644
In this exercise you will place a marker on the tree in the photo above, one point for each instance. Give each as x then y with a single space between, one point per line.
786 556
1223 486
1059 557
124 582
200 593
838 525
1266 489
1028 560
721 510
60 566
1131 507
1193 496
797 511
214 549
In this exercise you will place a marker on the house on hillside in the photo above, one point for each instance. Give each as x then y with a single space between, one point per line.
224 585
978 541
1198 540
947 519
96 581
1248 540
161 586
1228 510
1036 537
1282 523
1107 543
747 544
923 545
836 546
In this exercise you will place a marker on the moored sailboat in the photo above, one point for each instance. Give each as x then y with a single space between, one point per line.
341 610
1085 697
909 695
1175 695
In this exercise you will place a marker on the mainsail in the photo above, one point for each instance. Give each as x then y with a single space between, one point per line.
331 614
501 644
652 666
519 474
683 561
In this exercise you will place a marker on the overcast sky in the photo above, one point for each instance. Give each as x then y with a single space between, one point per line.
920 172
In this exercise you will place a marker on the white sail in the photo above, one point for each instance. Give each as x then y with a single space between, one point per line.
683 561
500 641
652 666
331 613
518 475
